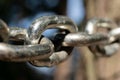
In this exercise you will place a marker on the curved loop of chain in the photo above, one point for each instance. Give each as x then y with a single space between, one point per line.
47 22
95 24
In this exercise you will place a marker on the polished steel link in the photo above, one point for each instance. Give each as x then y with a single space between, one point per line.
47 22
84 39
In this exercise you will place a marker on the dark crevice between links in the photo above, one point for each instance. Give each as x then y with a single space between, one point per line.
1 39
21 42
57 40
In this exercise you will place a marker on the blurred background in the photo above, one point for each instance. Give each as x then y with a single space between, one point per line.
21 13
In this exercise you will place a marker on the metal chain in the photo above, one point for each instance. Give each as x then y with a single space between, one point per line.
108 27
41 51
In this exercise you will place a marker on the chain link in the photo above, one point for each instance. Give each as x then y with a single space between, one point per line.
108 27
42 51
